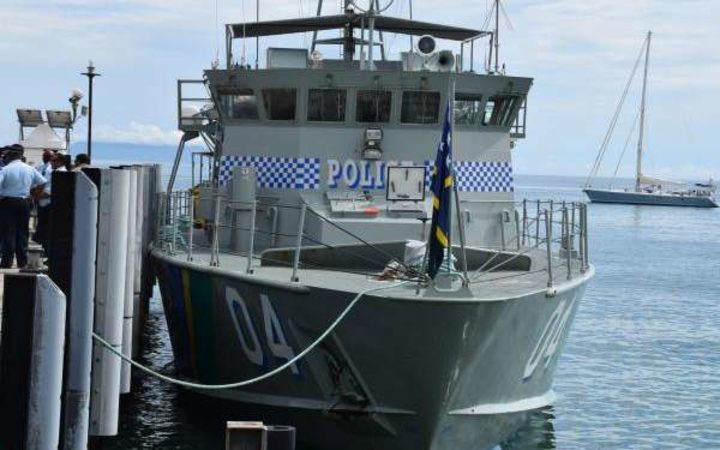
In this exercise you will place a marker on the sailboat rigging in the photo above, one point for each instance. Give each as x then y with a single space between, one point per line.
647 190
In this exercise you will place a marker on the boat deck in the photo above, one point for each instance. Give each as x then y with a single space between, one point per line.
484 286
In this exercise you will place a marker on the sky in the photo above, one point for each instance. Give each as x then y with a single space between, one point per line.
579 52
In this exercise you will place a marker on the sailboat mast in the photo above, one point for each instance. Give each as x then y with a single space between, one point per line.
638 173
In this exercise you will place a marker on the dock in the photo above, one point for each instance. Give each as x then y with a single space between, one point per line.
97 249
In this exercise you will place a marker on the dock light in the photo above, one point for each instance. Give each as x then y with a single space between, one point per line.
90 74
75 96
373 138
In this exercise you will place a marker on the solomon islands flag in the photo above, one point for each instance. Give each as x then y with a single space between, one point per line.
441 186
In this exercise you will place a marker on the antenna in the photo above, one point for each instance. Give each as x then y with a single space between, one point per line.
496 36
216 61
494 51
412 44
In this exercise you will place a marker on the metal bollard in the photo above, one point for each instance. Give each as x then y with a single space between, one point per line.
280 437
245 436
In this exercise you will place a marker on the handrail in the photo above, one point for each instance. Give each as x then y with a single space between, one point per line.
562 240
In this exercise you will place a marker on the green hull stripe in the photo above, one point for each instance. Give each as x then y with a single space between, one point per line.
203 308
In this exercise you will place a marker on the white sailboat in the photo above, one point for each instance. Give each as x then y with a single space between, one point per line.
648 190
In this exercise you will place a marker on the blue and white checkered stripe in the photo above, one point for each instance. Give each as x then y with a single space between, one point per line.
479 176
275 171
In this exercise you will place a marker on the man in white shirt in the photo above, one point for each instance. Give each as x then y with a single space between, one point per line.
42 231
16 181
45 167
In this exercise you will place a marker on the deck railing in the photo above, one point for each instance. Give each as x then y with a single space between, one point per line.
554 233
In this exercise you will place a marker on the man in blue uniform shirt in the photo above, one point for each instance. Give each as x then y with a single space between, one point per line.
16 181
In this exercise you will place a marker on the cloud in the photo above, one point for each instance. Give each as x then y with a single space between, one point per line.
136 133
579 52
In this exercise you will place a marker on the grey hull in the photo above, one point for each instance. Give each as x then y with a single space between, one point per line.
399 373
641 198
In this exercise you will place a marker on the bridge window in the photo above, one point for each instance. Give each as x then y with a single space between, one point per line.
420 107
326 105
241 104
499 110
373 106
468 109
280 103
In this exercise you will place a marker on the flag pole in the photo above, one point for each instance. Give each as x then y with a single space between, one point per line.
451 120
461 222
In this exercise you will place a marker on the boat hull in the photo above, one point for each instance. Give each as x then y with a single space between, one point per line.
641 198
396 374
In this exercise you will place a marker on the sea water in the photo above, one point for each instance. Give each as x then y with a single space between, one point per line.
641 368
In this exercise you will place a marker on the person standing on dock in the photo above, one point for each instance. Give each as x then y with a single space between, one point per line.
82 160
45 167
16 181
42 232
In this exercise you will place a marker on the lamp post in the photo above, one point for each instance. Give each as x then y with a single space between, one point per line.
90 74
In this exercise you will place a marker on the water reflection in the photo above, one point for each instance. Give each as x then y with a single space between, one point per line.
537 433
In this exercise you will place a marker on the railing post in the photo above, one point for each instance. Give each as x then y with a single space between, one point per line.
162 219
173 220
191 229
585 237
251 245
502 230
296 259
214 257
565 219
572 225
548 245
581 239
537 225
517 228
524 222
568 243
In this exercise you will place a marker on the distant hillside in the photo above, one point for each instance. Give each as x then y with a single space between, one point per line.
110 154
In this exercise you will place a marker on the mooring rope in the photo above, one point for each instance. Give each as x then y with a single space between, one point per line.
257 379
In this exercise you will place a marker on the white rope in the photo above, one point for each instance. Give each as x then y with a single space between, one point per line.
257 379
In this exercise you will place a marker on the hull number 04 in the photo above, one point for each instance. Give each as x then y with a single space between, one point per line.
247 331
